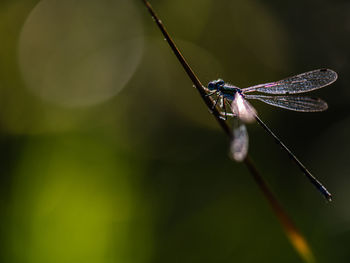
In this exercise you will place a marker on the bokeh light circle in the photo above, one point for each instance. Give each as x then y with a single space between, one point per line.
79 53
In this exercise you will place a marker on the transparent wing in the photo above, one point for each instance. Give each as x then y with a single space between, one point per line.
304 104
297 84
242 109
239 143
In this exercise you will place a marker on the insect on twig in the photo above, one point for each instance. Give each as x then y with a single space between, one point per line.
296 238
244 112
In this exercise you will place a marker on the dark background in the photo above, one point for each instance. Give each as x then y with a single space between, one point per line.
108 153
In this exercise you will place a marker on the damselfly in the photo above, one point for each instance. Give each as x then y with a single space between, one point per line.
245 113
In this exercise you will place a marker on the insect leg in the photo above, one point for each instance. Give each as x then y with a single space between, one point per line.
216 102
210 94
224 106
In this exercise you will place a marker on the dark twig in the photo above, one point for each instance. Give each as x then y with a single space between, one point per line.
294 235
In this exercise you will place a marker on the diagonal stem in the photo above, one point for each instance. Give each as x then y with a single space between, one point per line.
296 238
294 235
196 82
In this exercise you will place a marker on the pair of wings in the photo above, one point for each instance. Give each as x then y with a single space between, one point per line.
301 83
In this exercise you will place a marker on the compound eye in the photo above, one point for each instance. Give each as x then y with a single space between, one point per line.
220 82
211 86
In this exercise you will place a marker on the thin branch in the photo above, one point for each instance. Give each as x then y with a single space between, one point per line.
294 235
196 82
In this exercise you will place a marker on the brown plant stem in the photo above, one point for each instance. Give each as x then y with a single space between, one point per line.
294 235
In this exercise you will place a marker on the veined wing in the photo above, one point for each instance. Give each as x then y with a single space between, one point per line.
239 143
242 109
303 104
297 84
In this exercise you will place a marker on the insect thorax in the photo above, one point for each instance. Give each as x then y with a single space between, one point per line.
229 92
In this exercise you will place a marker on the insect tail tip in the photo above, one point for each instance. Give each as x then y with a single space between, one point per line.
329 198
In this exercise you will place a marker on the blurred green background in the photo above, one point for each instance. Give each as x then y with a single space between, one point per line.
108 153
